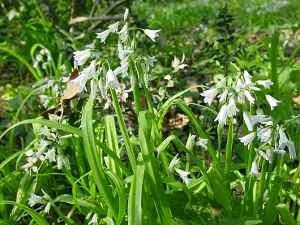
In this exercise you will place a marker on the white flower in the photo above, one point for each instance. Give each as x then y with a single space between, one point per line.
272 101
222 115
114 27
254 169
94 220
183 175
231 108
248 121
50 155
292 150
209 95
202 142
80 57
178 64
111 80
266 155
152 34
123 33
249 97
265 83
283 140
247 139
47 208
264 134
34 199
223 96
247 78
126 13
174 162
103 35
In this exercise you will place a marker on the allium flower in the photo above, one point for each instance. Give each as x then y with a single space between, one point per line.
123 33
183 175
292 150
126 13
248 121
152 34
103 35
231 108
178 64
265 83
80 57
34 199
50 155
222 115
264 134
209 95
249 97
272 101
247 139
254 169
114 27
111 80
174 162
202 142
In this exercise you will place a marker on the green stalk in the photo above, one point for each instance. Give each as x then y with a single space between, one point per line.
92 154
123 128
229 145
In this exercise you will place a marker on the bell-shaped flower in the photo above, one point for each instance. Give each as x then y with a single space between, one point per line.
272 101
152 34
111 80
247 139
103 35
80 57
209 95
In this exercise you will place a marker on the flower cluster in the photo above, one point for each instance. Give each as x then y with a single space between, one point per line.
44 150
43 58
233 91
98 65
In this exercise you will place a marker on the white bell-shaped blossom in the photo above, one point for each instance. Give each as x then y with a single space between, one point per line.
209 95
247 139
80 57
103 35
273 102
152 34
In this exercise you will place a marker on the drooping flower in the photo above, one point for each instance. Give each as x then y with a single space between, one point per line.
80 57
50 155
183 175
103 35
126 13
34 199
264 134
178 64
152 34
254 169
202 142
248 121
222 115
231 108
174 162
247 139
114 27
111 80
265 83
209 95
272 101
292 150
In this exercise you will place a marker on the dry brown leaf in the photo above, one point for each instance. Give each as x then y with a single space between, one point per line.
297 100
71 90
179 121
